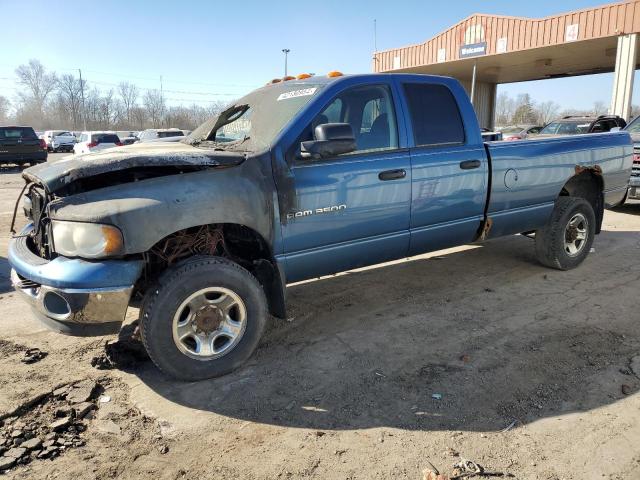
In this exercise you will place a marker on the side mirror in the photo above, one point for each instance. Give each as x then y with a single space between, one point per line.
616 129
331 139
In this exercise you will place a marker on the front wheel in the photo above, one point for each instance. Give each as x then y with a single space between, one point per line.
566 239
203 319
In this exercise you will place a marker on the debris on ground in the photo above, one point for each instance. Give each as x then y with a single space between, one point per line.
33 355
626 389
126 353
462 469
44 428
467 469
436 396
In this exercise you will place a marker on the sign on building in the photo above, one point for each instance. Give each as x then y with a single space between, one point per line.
473 50
571 34
501 46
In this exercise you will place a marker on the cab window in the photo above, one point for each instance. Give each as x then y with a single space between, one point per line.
369 111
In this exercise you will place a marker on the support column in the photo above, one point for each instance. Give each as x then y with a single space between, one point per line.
623 79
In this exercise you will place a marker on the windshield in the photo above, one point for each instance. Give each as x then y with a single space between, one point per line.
634 126
253 122
566 128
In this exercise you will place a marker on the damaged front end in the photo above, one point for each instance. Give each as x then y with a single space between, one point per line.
79 295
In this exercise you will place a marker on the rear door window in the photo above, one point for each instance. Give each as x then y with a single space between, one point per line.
435 116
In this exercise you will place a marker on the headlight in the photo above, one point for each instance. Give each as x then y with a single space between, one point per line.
88 240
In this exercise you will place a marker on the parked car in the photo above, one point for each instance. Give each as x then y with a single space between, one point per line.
49 135
296 180
129 138
574 125
520 132
156 133
21 145
63 142
95 141
634 181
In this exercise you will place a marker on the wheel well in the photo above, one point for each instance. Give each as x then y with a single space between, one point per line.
236 242
587 184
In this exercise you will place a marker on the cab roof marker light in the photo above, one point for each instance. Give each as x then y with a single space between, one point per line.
334 73
302 76
287 78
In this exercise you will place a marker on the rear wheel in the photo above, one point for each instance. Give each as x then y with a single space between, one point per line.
566 239
203 319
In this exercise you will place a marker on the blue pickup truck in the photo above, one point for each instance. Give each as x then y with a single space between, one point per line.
298 179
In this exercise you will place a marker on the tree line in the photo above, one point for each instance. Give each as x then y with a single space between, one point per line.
522 110
47 100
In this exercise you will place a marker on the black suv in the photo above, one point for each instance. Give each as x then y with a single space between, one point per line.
574 125
21 145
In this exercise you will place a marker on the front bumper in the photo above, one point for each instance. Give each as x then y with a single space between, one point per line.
73 296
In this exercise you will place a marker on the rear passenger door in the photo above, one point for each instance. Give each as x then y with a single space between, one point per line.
449 170
351 210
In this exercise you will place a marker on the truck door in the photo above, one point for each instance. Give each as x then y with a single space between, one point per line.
449 169
351 210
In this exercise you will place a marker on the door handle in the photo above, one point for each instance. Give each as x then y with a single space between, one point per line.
392 174
470 164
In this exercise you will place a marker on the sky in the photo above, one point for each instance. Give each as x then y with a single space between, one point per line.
214 50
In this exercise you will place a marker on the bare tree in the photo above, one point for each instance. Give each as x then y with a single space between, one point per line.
505 107
5 105
600 108
546 111
39 83
154 106
106 108
129 96
70 99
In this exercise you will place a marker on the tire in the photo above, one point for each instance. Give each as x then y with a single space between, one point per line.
163 318
554 240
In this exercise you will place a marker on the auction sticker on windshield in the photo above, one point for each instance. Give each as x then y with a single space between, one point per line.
297 93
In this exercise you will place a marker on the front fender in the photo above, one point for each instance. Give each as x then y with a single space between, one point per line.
149 210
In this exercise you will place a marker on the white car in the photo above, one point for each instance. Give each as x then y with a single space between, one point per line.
49 135
63 142
151 134
94 141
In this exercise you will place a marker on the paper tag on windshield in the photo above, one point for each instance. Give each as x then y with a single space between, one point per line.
297 93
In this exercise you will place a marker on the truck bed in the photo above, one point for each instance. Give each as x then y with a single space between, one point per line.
527 176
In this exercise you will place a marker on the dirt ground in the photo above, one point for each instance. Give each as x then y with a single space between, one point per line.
377 374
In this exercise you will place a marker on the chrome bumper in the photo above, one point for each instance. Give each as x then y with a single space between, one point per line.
73 296
75 311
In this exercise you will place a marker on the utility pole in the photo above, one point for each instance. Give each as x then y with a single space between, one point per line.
84 114
161 102
375 43
375 36
286 54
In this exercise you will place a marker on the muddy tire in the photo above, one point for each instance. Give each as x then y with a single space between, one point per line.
203 318
566 239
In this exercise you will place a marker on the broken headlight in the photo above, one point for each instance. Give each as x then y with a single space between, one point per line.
88 240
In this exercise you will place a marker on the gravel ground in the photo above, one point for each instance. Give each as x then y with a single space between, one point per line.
476 352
